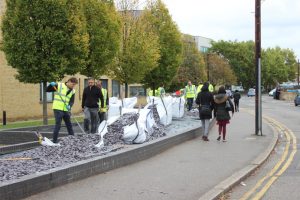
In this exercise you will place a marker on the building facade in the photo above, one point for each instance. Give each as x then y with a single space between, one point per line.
202 43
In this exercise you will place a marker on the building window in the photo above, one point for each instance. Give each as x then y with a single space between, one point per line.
203 49
50 95
137 91
104 83
115 88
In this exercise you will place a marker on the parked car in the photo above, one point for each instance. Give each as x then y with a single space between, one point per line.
251 92
237 87
271 93
297 100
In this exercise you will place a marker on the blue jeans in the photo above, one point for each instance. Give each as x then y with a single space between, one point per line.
90 118
59 116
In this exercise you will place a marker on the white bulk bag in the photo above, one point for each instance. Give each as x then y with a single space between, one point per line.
102 130
130 133
166 105
178 107
129 110
142 137
129 102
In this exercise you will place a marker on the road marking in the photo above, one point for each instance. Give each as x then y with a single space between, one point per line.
271 176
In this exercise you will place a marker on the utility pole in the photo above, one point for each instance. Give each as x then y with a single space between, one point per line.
298 73
258 108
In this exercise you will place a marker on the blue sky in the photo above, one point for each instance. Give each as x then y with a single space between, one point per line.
234 20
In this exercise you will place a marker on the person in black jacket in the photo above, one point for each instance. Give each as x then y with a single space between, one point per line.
90 105
205 101
223 105
236 99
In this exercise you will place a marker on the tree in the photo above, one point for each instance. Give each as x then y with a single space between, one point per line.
192 67
170 45
240 56
104 31
220 70
278 65
139 51
44 40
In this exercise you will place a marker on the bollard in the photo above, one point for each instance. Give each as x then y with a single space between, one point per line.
4 118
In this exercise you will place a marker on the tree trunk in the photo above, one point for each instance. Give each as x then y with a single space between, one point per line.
126 90
45 114
153 89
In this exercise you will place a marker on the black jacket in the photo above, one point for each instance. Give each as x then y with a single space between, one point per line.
91 96
205 98
236 96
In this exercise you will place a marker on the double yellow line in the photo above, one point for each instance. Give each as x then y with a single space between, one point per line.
262 186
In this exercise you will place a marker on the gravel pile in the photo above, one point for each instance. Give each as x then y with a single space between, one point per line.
72 149
116 130
192 113
158 130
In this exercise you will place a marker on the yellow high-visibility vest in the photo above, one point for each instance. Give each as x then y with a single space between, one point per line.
61 99
190 91
104 93
199 88
210 88
151 92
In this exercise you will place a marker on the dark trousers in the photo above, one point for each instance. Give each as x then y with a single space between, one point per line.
59 116
237 105
102 116
190 103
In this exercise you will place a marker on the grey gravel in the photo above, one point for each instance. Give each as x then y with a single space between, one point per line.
158 130
73 149
116 129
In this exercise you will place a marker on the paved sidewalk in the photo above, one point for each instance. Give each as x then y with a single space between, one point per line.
186 171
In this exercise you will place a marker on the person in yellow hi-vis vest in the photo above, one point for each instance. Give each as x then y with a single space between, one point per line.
103 111
190 94
210 87
160 91
150 93
64 95
199 87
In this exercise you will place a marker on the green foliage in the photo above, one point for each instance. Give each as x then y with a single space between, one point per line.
43 40
220 71
240 56
170 45
277 65
139 50
192 67
104 31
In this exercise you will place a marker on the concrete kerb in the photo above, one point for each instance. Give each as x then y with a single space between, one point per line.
42 181
226 185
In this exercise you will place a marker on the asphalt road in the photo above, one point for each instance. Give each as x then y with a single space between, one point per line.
286 185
